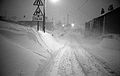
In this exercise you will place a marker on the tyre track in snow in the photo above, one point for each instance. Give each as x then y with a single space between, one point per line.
89 64
73 60
77 62
47 67
66 64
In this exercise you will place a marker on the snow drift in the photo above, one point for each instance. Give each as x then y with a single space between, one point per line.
23 49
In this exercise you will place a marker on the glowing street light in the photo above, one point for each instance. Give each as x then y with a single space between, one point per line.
54 1
72 25
63 25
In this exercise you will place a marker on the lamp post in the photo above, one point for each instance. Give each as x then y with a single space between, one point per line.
44 17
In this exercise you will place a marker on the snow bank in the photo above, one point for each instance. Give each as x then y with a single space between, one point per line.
110 43
50 41
16 60
23 49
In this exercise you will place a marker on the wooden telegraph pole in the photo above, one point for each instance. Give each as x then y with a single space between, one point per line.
38 15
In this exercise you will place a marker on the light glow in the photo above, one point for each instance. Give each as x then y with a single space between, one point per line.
54 1
72 25
63 25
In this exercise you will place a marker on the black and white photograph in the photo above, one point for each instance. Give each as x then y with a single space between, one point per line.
59 37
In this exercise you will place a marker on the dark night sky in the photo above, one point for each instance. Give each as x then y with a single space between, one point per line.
58 11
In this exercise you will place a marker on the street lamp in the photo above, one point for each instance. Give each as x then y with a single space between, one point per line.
54 1
72 25
63 25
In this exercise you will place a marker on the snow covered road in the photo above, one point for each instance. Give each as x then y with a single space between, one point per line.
72 60
41 54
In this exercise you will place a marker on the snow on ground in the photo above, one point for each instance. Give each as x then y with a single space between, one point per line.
110 44
50 41
106 50
26 52
16 60
72 61
23 50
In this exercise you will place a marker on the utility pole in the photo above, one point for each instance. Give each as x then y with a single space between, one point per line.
53 21
64 20
67 18
44 17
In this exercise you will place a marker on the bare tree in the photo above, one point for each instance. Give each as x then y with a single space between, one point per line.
110 8
102 11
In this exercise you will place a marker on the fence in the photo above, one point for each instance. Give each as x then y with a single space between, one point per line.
105 24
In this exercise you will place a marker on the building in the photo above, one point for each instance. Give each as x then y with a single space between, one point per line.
105 24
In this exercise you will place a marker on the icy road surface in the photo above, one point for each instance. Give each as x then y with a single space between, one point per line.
71 60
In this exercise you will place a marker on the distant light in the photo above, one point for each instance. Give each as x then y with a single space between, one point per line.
72 25
63 25
54 1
